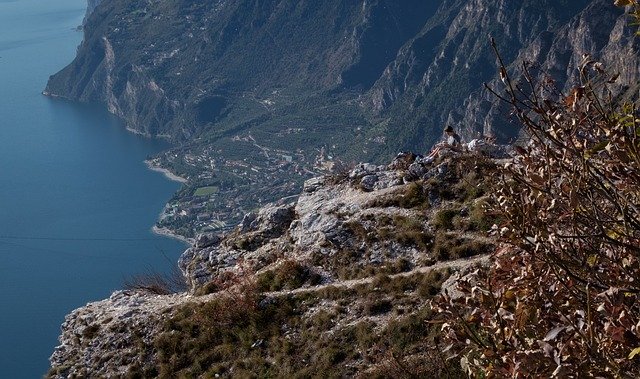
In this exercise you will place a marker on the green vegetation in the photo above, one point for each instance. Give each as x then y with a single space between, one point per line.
240 333
206 191
443 219
289 274
448 246
413 196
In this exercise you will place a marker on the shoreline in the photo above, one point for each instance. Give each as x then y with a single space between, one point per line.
168 233
168 174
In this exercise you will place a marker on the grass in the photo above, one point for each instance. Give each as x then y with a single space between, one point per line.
449 246
288 275
242 334
412 196
443 219
206 191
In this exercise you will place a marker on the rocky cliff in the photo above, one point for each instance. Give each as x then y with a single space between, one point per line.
260 96
91 6
202 69
437 76
355 257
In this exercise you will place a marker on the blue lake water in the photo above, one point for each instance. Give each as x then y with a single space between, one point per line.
76 200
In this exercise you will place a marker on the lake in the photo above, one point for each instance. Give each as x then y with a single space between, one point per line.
76 201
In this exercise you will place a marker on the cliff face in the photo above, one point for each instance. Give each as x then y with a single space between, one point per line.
599 31
437 76
202 69
172 68
91 6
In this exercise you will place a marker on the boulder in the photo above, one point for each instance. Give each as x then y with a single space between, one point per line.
368 182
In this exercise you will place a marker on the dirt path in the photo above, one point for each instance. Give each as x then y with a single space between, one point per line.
457 264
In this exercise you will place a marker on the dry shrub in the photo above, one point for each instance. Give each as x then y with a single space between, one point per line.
158 283
563 302
290 274
431 363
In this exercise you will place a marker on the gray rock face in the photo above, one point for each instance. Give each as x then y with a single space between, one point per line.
109 331
368 182
270 221
599 29
91 6
207 240
440 72
250 242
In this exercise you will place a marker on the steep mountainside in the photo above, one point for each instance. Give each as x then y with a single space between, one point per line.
185 69
437 77
173 67
265 94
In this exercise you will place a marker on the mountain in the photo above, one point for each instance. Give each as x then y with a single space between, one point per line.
337 276
177 68
189 69
260 95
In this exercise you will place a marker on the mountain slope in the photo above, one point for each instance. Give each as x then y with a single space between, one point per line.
437 76
184 69
322 285
261 95
172 68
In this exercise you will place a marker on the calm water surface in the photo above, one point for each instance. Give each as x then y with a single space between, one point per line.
71 180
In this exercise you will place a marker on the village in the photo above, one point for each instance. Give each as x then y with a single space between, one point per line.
220 190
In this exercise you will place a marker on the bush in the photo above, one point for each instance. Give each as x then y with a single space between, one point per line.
374 306
443 219
563 301
414 195
289 274
158 283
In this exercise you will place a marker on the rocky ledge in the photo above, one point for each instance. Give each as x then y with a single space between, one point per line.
403 221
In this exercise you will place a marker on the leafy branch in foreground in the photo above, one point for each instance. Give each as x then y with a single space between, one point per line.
562 301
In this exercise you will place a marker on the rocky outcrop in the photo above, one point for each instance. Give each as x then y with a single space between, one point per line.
342 229
110 331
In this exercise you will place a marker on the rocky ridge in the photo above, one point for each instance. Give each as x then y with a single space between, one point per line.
344 233
411 66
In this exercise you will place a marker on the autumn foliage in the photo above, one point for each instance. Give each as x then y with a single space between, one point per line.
561 300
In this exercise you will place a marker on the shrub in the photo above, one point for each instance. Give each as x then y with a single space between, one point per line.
414 195
443 219
431 283
410 231
289 274
563 302
374 306
158 283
